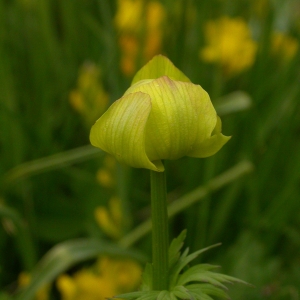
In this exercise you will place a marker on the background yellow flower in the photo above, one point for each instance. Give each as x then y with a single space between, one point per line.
105 279
229 44
139 24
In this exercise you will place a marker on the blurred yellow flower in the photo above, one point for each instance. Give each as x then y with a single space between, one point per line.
24 280
229 44
284 46
139 23
107 278
110 219
129 13
105 178
89 98
105 175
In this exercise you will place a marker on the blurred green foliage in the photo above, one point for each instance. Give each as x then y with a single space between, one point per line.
59 63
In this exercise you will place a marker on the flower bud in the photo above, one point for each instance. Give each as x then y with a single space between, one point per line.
161 116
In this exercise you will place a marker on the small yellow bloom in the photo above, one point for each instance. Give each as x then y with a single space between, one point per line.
284 46
155 15
229 44
105 175
77 101
139 24
89 98
105 178
107 278
125 273
129 15
161 116
67 287
110 220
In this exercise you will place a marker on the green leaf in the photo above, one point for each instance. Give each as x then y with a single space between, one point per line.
147 278
197 273
157 67
149 295
65 255
164 295
175 247
208 289
183 261
181 292
49 163
139 295
199 296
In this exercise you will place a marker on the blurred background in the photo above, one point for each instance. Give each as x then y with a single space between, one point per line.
70 214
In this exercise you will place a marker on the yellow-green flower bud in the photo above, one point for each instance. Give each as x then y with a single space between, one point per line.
161 116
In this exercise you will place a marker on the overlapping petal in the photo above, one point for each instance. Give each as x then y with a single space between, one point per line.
211 145
121 131
182 115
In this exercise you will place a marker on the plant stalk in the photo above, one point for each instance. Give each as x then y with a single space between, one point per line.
160 231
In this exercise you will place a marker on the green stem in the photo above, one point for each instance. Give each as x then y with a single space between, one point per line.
160 231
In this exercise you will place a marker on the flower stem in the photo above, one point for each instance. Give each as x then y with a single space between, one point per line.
160 231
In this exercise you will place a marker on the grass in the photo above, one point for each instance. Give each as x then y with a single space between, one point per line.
49 189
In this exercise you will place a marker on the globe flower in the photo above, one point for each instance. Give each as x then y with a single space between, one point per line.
161 116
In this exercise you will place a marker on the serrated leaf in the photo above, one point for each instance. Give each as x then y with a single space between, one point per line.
172 296
133 295
183 261
206 288
149 295
157 67
202 296
175 247
141 295
164 295
197 273
235 280
181 292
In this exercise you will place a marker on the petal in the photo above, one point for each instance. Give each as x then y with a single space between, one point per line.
121 131
181 115
211 145
157 67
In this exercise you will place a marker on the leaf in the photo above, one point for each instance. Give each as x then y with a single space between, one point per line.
65 255
175 247
147 278
49 163
200 296
133 295
199 273
181 292
157 67
183 261
164 295
149 295
206 288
